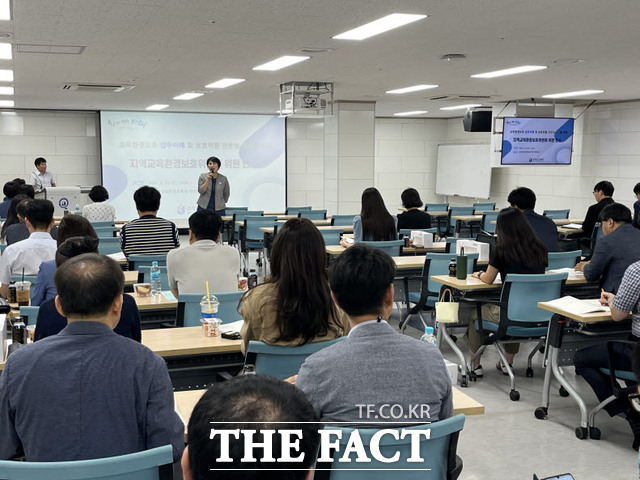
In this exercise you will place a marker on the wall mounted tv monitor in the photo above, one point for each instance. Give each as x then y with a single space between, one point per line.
537 141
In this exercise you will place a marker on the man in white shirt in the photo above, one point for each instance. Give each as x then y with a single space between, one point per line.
40 178
189 268
28 254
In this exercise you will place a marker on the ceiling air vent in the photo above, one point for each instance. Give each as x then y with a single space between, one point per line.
457 98
96 87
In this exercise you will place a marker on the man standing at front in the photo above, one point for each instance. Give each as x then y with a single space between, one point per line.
376 373
86 392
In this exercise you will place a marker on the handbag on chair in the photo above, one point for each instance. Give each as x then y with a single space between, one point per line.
447 310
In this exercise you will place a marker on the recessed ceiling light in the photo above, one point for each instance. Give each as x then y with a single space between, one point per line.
5 51
6 90
415 88
408 114
378 26
281 62
579 93
7 103
6 75
225 82
157 106
188 96
460 107
509 71
5 10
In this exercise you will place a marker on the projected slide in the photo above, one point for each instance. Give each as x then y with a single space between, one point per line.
542 141
169 150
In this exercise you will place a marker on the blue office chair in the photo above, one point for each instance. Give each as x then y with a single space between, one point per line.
102 224
152 464
520 317
108 231
280 361
2 247
452 222
229 225
239 217
135 261
28 278
189 314
484 206
313 214
144 275
390 247
331 236
253 237
451 244
557 214
342 220
295 210
230 211
563 259
436 207
406 232
108 245
487 218
29 315
438 453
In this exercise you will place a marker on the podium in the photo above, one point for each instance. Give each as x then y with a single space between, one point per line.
63 198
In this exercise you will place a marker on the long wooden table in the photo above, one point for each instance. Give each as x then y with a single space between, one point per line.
151 303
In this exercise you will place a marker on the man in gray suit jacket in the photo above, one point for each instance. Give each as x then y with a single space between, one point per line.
376 374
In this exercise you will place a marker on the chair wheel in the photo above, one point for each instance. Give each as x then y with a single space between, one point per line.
514 395
594 433
582 432
563 392
529 372
541 413
464 382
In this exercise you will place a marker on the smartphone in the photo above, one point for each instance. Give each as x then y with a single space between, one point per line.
231 335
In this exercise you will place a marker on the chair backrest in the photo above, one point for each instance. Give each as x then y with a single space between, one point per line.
390 247
439 265
29 315
596 235
189 313
136 260
108 231
342 220
451 244
313 214
279 361
230 211
108 245
240 216
102 224
486 238
29 278
563 259
438 452
458 211
406 232
295 210
331 237
2 247
436 207
144 275
252 226
521 294
557 214
487 218
484 206
153 464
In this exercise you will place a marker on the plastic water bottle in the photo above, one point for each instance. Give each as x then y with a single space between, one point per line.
77 210
156 287
428 336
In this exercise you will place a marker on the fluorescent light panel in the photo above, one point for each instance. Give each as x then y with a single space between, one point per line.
6 90
225 82
5 10
5 51
281 62
7 103
381 25
509 71
6 75
579 93
415 88
188 96
157 106
460 107
408 114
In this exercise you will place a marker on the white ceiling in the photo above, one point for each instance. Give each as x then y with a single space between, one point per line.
169 47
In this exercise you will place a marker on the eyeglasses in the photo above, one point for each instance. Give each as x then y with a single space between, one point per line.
634 398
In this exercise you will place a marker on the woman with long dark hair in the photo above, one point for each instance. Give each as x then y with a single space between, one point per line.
293 306
375 223
517 250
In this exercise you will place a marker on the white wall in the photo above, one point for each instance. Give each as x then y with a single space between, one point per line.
305 162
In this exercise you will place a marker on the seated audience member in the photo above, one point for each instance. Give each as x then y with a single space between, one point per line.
415 217
602 191
517 250
12 216
149 234
364 368
87 392
70 226
293 306
375 223
50 322
98 211
27 190
189 268
19 231
9 190
264 401
588 361
636 206
27 255
524 199
619 248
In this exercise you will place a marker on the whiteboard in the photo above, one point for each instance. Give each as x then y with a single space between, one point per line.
464 170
